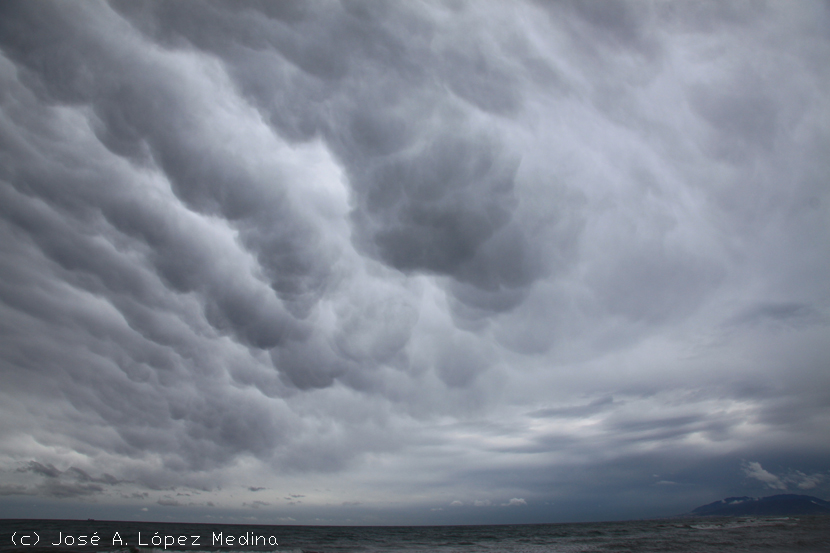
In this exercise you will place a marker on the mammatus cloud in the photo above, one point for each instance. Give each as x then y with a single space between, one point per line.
304 255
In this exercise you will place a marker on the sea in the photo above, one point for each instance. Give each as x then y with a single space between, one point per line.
693 535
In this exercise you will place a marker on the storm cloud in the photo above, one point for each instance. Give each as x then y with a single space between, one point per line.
505 261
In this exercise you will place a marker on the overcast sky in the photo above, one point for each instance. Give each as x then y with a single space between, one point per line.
412 262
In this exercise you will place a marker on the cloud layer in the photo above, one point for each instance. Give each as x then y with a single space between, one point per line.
311 258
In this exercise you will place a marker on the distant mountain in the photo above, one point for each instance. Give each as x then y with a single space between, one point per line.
774 505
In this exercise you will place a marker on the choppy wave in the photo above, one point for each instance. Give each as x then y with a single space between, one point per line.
705 535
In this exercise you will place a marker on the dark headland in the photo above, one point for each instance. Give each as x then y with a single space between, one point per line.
774 505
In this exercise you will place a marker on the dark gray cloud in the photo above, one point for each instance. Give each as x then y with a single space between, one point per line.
578 411
44 470
73 482
488 251
779 313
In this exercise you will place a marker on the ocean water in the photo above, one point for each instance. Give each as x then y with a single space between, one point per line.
807 534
